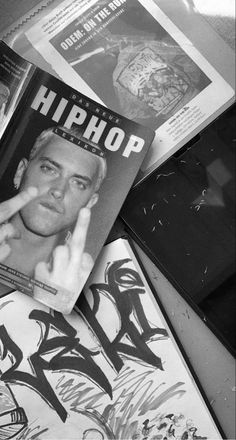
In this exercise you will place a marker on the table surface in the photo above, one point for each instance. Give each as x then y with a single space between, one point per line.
212 362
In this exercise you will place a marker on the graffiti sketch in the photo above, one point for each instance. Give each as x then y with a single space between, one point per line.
110 370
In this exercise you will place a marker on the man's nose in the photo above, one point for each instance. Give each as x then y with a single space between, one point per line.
58 189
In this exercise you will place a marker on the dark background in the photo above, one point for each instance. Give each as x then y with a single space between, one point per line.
183 216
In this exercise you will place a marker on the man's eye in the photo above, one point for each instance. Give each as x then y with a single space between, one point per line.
80 184
47 169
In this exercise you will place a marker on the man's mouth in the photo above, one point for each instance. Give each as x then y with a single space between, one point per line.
52 207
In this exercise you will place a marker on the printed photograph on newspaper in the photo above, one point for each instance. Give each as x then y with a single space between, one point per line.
66 166
131 57
111 370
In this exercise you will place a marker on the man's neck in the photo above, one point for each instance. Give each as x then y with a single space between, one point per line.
29 249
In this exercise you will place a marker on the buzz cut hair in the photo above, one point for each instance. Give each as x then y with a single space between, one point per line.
47 135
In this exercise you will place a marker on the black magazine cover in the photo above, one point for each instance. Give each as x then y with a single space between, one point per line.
82 159
183 216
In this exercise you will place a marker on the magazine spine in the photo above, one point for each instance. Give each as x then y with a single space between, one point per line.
13 123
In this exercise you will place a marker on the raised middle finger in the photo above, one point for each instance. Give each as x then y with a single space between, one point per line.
13 205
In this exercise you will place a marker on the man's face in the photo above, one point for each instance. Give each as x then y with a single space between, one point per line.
66 176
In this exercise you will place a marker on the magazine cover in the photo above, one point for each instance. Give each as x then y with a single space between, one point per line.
131 57
15 73
183 216
112 369
67 164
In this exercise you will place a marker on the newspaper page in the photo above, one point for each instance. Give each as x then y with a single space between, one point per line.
131 57
111 370
66 167
15 74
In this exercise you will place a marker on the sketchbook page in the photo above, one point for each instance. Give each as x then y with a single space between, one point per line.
131 57
15 74
83 159
110 370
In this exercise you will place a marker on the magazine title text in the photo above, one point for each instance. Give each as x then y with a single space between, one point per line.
94 128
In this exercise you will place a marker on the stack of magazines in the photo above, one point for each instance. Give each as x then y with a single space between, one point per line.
118 90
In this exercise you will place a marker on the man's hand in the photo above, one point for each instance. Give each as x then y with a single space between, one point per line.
69 269
7 210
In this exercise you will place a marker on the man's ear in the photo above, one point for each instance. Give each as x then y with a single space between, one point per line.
92 201
20 172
